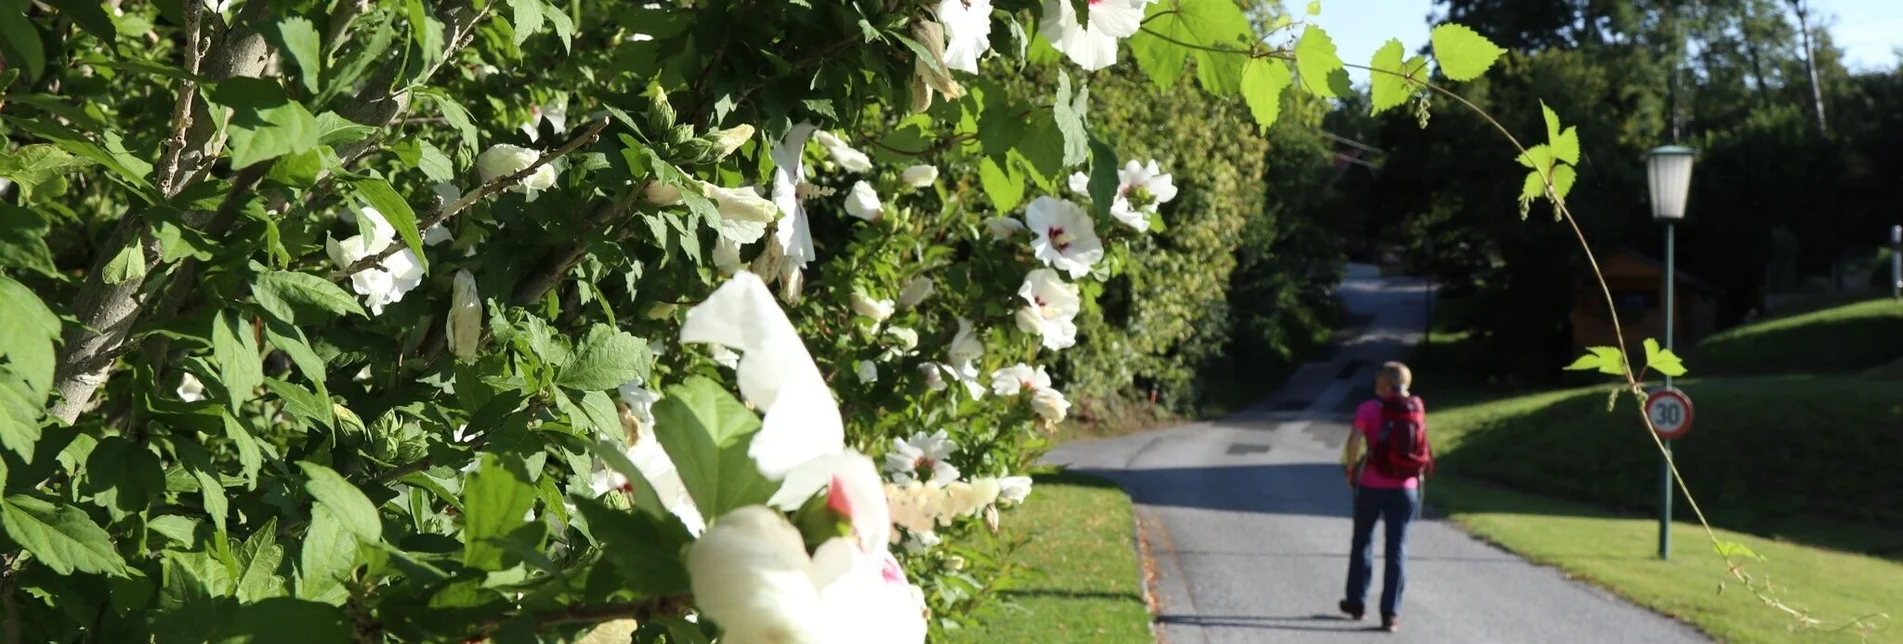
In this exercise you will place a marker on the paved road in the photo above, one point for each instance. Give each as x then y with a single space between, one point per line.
1245 520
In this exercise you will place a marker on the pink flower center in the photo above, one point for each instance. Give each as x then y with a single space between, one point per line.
1059 239
892 572
836 498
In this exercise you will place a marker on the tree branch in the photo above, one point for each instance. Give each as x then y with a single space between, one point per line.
500 183
551 274
7 590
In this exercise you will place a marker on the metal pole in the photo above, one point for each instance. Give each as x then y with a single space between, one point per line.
1896 262
1665 459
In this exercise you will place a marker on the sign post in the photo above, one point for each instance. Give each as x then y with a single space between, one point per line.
1670 411
1896 262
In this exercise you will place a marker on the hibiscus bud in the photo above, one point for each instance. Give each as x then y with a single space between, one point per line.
1028 319
741 203
660 112
867 371
464 328
931 66
661 194
907 339
730 139
864 305
919 176
991 519
916 291
1050 404
1003 228
693 151
661 310
680 134
502 160
954 563
863 202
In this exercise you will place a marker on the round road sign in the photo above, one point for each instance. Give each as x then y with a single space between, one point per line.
1670 411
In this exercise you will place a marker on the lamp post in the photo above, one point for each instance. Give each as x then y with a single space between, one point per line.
1669 175
1896 262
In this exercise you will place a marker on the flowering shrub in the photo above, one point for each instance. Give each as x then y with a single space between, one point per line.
386 319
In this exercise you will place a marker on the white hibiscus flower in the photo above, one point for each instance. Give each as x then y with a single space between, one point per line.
849 159
922 458
390 279
1066 237
1051 307
1092 46
967 32
1019 377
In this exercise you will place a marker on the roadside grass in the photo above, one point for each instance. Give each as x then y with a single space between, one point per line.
1078 537
1618 552
1836 339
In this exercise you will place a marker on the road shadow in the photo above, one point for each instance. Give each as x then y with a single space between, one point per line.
1314 623
1300 489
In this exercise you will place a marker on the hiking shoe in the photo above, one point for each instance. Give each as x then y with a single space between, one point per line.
1388 624
1351 609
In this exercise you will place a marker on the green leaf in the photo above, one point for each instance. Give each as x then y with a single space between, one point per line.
329 554
284 620
128 265
1103 177
606 358
564 26
298 37
434 163
1263 81
333 129
1316 61
458 117
706 433
1563 178
20 38
32 165
1729 549
527 20
61 537
345 502
640 490
1006 189
91 16
395 210
265 122
129 476
1536 157
1200 23
19 416
235 347
1069 114
1387 83
23 241
1607 360
300 402
1219 73
594 409
494 500
250 457
1662 360
287 294
1463 54
258 558
133 174
1315 7
1565 143
27 331
638 546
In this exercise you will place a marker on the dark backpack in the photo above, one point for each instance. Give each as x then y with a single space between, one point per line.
1399 447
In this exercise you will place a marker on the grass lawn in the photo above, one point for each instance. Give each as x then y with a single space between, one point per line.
1080 533
1618 552
1843 338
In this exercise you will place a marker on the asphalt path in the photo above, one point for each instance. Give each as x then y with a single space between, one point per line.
1244 521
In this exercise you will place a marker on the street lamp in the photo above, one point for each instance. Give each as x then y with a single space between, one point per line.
1668 172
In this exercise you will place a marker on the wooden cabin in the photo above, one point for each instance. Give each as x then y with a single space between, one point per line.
1637 283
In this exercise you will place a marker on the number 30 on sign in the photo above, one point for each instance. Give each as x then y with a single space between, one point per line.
1670 411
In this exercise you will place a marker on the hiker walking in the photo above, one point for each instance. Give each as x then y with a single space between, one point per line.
1386 478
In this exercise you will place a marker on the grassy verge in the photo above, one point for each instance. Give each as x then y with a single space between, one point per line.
1078 532
1618 552
1842 338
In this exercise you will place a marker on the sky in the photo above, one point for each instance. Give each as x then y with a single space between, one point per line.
1868 30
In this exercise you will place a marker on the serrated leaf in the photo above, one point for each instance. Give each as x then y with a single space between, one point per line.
299 38
27 332
258 559
606 358
329 554
1070 121
1729 549
1607 360
1220 74
1263 81
494 501
1563 178
347 503
564 26
1200 23
287 294
265 123
631 541
32 165
1536 157
334 130
434 163
285 620
706 432
1387 82
1463 54
396 211
528 19
1662 360
60 537
235 348
19 415
1316 61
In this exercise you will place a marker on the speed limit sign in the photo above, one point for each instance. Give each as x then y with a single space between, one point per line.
1670 411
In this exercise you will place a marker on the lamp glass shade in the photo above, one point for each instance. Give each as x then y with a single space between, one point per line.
1668 170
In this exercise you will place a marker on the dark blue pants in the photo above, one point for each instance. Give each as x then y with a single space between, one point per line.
1395 508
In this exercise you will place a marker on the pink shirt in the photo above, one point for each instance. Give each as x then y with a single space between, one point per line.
1367 422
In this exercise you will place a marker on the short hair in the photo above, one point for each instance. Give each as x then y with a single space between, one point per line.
1397 374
